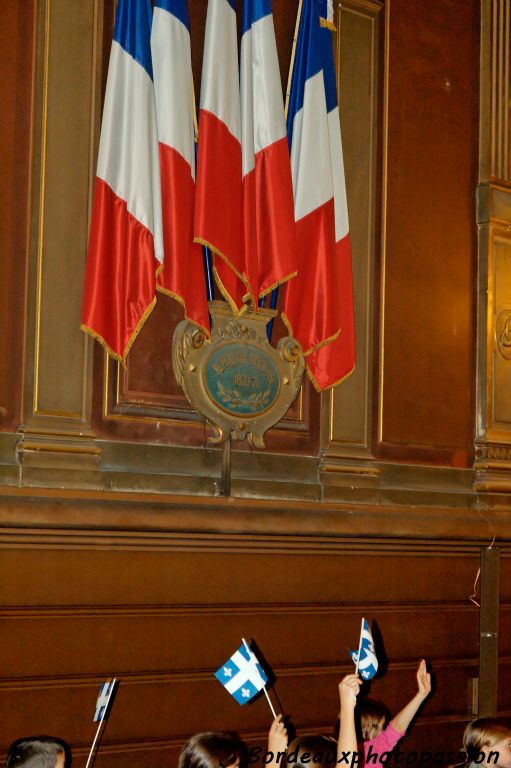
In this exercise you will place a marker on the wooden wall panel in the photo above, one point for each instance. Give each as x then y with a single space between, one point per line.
94 578
16 63
427 354
164 619
504 679
505 578
349 406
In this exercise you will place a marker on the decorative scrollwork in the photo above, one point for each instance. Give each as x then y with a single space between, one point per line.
254 401
236 379
503 333
235 329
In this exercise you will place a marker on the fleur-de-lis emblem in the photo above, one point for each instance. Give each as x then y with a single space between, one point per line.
227 671
245 692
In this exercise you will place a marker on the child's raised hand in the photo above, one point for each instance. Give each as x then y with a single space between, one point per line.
348 690
277 736
423 680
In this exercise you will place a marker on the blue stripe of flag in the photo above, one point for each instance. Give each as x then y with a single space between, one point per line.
328 68
232 3
133 30
323 10
308 59
178 8
253 10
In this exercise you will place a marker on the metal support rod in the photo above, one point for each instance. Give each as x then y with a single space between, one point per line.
226 467
489 632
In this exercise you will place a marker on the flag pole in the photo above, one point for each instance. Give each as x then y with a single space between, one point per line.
293 54
249 651
94 744
359 648
269 703
101 724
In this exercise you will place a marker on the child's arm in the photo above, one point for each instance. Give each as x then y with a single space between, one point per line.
348 691
277 741
403 719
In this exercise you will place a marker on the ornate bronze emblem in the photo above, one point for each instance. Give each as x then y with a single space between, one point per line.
503 333
236 379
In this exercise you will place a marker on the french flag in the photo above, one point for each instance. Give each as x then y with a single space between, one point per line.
326 14
218 194
268 210
125 241
318 305
182 276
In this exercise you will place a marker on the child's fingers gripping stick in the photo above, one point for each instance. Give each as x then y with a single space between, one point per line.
349 688
277 736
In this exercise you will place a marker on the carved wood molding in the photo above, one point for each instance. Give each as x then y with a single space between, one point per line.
81 519
78 612
493 435
185 676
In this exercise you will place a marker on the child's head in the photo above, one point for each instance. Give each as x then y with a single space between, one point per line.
316 750
213 750
373 716
38 752
485 735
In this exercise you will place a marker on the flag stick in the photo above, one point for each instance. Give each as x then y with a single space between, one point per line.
94 744
292 63
359 649
100 724
269 703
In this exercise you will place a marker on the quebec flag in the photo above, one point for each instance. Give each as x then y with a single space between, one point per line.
242 675
105 693
366 655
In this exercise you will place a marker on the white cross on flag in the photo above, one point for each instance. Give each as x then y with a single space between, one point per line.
105 692
366 655
242 675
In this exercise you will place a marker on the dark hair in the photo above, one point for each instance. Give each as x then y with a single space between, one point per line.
481 733
320 750
213 750
37 752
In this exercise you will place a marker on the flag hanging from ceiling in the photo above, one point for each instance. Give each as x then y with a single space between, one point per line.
125 241
218 197
182 276
318 304
268 211
242 675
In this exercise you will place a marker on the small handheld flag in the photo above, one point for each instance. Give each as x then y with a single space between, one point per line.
105 692
365 658
242 675
104 698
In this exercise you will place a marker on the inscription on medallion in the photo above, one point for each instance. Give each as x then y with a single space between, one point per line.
241 380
